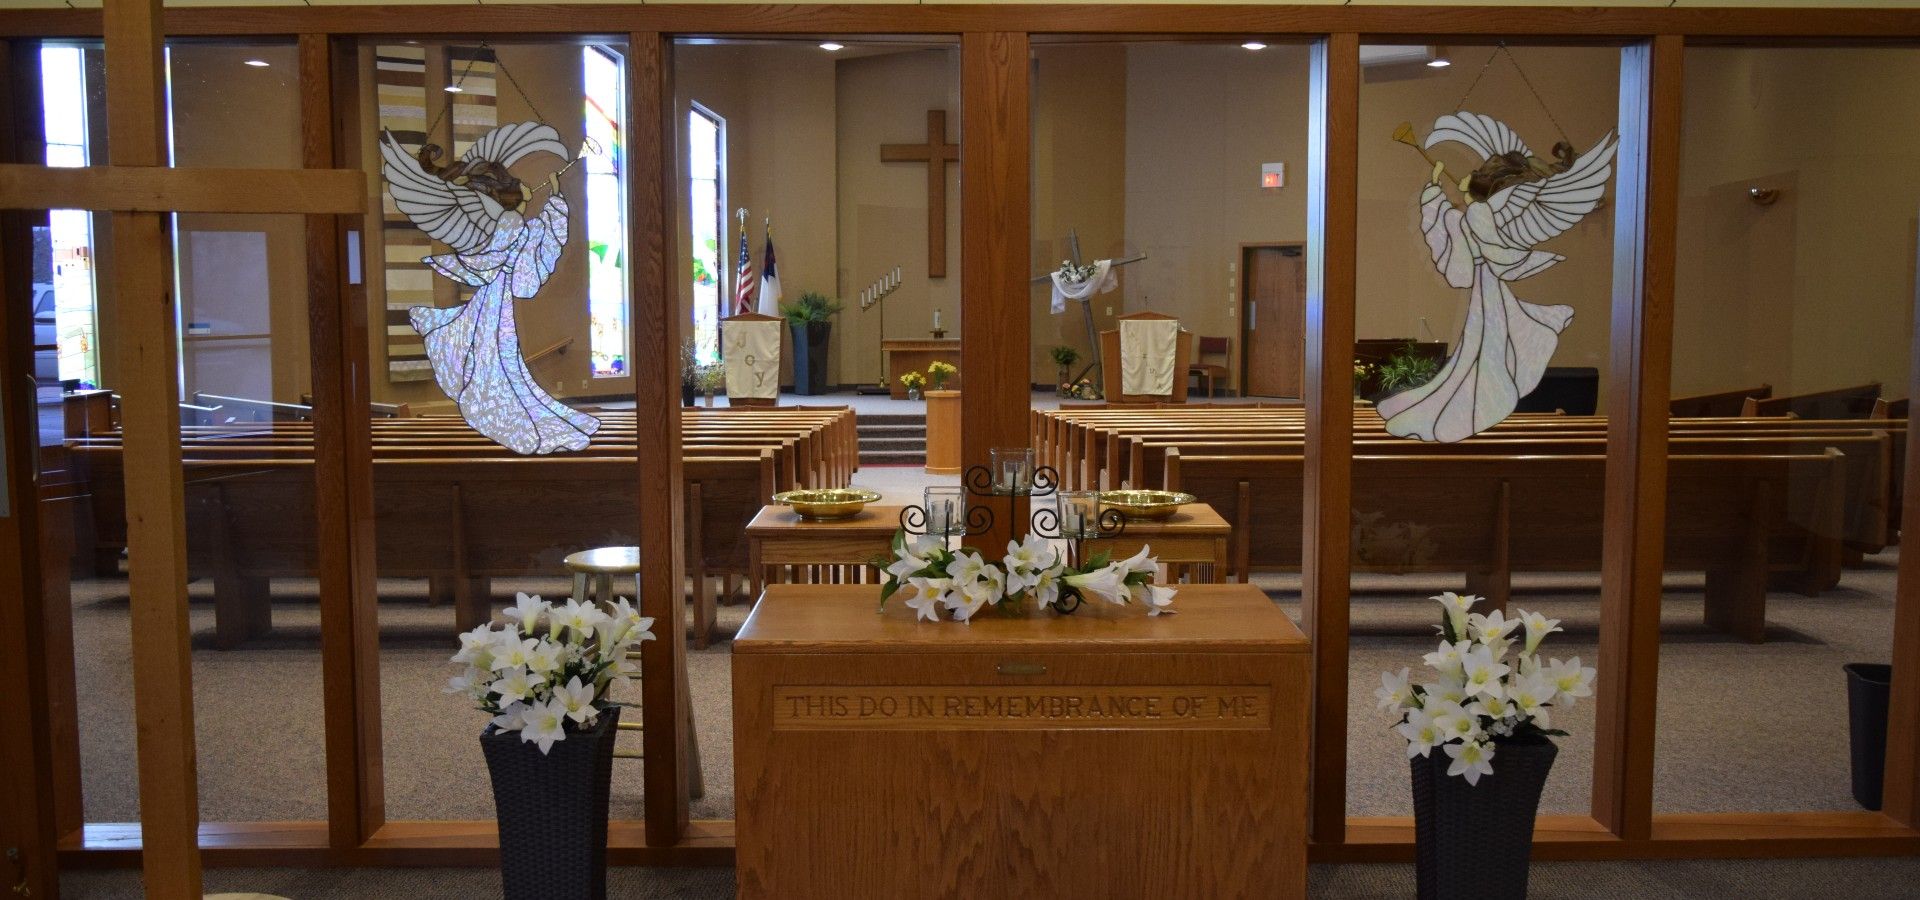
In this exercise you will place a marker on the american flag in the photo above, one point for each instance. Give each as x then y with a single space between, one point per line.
743 279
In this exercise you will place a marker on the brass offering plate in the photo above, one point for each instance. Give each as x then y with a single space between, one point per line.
1145 504
827 503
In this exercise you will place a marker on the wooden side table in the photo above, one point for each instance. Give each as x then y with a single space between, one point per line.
829 550
1193 536
943 432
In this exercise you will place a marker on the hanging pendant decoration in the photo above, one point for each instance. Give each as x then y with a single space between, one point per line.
1513 202
504 251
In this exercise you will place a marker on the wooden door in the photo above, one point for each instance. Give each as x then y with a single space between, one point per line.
1273 292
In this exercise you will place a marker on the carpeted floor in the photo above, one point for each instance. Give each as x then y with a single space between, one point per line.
1814 879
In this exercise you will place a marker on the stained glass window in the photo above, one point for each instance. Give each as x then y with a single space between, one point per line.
64 307
706 135
606 212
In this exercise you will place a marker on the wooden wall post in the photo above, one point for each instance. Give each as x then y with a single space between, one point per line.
653 132
995 161
1333 180
148 339
1900 792
1634 553
29 830
343 466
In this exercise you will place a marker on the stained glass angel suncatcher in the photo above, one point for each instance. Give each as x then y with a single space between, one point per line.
1515 201
479 210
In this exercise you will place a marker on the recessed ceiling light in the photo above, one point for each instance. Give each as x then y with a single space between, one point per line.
1254 45
831 47
258 63
452 89
1440 63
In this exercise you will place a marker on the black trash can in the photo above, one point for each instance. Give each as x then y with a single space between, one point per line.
1868 685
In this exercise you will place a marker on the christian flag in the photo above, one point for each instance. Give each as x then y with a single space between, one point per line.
770 280
743 278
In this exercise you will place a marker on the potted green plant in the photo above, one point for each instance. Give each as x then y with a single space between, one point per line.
811 320
1064 357
713 379
544 677
1478 743
1404 370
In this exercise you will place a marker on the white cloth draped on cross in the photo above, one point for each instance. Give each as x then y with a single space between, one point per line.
1101 281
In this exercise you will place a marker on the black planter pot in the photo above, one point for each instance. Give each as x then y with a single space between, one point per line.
810 357
553 811
1869 689
687 394
1474 840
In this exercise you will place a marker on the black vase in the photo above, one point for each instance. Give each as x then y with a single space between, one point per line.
553 811
810 357
1474 840
1869 692
687 394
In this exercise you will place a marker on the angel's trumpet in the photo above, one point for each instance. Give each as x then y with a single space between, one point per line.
1404 134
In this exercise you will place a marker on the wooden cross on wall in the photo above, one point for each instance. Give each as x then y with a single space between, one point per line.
141 191
936 153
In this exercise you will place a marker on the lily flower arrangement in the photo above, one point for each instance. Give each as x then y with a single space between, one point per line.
1479 696
547 671
933 577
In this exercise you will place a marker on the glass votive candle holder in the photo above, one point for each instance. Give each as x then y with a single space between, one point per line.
946 507
1079 514
1012 470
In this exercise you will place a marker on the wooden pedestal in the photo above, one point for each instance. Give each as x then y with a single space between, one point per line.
1102 754
943 432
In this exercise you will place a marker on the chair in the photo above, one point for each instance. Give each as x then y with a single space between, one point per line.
1209 373
593 572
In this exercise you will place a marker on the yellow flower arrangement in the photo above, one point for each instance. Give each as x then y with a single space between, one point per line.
913 381
939 372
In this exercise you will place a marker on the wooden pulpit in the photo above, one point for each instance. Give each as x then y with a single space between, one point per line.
750 351
1110 370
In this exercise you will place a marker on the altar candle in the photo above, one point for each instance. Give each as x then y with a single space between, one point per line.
936 320
896 274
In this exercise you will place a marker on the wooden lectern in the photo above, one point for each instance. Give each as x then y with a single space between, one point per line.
755 318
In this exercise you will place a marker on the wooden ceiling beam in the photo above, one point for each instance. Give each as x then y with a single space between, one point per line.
159 189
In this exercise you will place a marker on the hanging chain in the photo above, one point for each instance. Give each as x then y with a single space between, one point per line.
1521 70
499 67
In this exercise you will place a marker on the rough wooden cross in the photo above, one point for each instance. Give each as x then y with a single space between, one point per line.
140 191
936 153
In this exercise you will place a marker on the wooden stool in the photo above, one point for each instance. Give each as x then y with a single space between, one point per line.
601 564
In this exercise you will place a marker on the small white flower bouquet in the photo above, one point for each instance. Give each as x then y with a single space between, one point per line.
548 670
963 582
1477 698
1075 274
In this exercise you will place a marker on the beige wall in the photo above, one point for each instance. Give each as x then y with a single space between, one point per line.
883 99
1815 291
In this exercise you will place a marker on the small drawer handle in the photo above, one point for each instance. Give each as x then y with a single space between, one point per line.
1021 668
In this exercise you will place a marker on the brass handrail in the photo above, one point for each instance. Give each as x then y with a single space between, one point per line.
558 347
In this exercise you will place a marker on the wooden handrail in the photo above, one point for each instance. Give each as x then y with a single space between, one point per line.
558 347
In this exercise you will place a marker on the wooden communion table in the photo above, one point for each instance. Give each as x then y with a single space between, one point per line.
1102 754
905 356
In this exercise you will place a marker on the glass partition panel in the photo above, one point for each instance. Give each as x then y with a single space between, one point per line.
818 213
1167 310
1486 240
1793 317
503 437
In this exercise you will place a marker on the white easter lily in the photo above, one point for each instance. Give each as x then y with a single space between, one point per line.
545 724
1026 560
576 700
1447 659
516 684
1421 732
927 594
1471 759
1483 674
511 718
1538 627
1394 692
1456 607
1046 586
577 618
1449 690
1109 583
527 610
1154 597
511 651
1569 680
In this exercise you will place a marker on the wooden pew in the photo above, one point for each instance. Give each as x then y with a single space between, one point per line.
1492 516
1717 403
1839 403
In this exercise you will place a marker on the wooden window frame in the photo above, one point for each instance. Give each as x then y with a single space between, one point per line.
994 201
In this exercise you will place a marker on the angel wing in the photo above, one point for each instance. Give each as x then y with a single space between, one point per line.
1484 135
1531 213
509 144
460 217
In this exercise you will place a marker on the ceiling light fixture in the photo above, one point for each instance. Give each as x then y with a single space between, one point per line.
257 63
1254 45
1439 63
832 47
453 89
